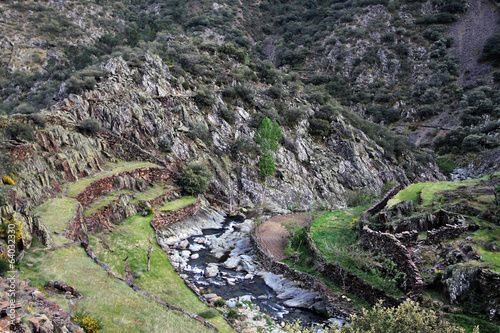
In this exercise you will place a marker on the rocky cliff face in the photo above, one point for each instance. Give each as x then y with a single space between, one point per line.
144 106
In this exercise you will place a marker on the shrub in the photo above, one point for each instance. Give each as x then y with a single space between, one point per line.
210 313
7 225
204 97
296 114
319 127
165 145
198 130
195 178
8 181
4 265
407 317
219 303
491 50
227 115
24 108
89 126
471 143
257 118
19 130
425 112
89 323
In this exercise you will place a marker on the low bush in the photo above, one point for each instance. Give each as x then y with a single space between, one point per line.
17 130
195 178
319 127
89 126
90 324
208 314
8 181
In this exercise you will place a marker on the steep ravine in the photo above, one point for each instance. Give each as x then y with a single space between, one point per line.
308 171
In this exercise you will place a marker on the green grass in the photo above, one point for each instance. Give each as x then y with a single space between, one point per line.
429 190
336 226
111 168
121 309
55 213
470 322
176 204
162 280
333 235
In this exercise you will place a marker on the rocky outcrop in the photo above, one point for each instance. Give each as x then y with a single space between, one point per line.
308 171
446 232
40 314
432 221
475 287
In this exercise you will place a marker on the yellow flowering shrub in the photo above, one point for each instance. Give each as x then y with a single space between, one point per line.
89 323
8 181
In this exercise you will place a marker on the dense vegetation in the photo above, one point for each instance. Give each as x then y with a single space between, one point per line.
303 48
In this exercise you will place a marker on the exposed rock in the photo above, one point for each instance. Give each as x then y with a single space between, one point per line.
212 270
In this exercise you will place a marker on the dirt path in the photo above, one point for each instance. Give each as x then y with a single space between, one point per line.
272 235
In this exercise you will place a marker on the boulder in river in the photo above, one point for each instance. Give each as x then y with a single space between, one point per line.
211 270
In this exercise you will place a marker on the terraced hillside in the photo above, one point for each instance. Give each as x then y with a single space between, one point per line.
101 294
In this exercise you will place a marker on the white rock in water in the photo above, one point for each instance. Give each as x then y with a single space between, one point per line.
195 256
175 258
183 244
211 270
196 247
246 298
231 262
209 296
231 304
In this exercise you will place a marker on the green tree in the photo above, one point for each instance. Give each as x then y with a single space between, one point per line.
195 178
267 136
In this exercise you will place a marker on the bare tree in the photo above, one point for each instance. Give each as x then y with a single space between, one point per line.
149 251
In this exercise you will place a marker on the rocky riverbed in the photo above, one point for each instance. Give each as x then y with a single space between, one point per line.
220 263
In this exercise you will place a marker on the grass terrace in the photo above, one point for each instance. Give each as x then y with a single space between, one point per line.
150 194
428 190
176 204
110 169
333 235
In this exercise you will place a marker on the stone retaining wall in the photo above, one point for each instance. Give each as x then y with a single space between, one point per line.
333 305
394 249
408 238
163 219
115 182
378 206
350 282
76 229
445 232
424 223
116 211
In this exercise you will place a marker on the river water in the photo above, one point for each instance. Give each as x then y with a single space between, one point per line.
236 274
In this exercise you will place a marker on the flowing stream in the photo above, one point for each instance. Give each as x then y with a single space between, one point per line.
221 262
